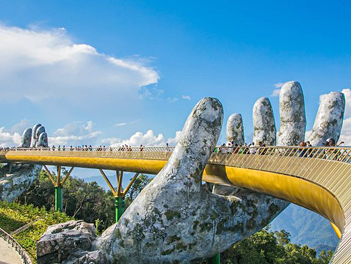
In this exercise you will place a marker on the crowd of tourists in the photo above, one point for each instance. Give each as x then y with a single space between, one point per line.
259 147
231 147
227 148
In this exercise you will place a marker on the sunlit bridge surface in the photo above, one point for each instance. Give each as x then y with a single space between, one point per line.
316 178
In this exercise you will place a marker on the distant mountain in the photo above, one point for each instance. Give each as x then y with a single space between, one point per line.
306 228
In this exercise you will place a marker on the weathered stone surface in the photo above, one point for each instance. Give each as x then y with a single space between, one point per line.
39 131
18 181
292 115
175 219
42 140
329 119
235 129
225 190
17 178
26 138
69 243
34 135
263 120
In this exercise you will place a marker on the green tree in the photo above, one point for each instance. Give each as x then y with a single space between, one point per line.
81 200
136 188
267 247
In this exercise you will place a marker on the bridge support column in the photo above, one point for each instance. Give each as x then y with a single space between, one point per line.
58 185
216 259
58 198
119 207
119 193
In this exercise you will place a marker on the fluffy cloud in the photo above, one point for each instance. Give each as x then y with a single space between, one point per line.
75 133
39 64
186 97
8 139
276 92
79 133
147 139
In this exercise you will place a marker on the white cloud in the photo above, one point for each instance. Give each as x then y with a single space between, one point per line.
125 124
172 99
278 85
75 133
12 137
186 97
40 64
277 91
120 124
79 133
8 139
147 139
135 121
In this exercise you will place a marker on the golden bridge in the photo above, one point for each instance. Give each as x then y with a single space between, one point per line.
317 178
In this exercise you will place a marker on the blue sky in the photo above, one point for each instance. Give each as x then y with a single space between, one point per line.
106 72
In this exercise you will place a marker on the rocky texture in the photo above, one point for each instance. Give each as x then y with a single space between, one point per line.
263 121
225 190
35 136
18 181
175 219
70 242
26 138
329 119
17 178
42 140
292 115
235 129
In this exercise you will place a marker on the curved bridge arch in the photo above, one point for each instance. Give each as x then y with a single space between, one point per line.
315 178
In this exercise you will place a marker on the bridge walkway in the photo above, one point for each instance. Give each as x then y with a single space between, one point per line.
8 254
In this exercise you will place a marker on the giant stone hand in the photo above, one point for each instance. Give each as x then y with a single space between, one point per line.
17 178
175 219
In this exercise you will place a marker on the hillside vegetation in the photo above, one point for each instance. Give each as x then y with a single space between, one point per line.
15 215
306 228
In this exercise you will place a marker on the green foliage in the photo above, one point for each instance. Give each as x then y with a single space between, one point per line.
15 215
82 200
139 184
267 247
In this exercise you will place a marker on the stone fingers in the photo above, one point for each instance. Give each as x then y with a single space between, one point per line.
26 138
292 115
235 129
20 177
36 137
263 121
161 225
329 119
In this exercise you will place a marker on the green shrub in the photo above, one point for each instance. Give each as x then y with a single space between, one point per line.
15 215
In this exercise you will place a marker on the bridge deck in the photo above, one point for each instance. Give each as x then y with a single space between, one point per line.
317 178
